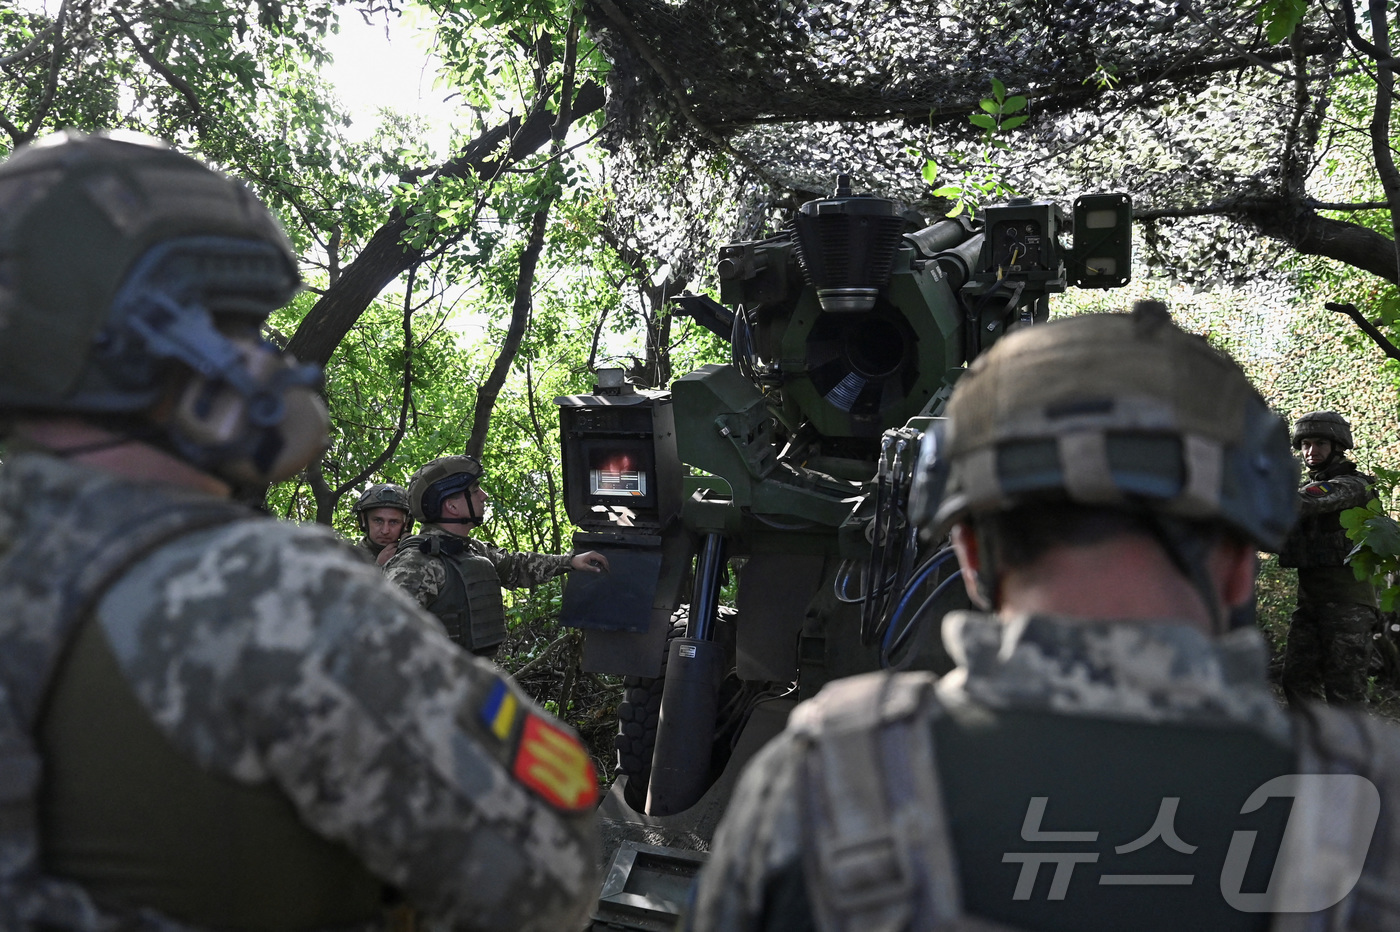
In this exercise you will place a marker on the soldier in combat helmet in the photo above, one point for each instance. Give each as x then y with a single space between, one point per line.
211 719
1107 753
459 579
384 517
1330 634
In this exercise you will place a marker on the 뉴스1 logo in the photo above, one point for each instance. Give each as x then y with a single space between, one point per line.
1325 841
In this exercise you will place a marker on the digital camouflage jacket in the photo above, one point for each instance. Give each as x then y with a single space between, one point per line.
272 657
897 802
1318 539
469 604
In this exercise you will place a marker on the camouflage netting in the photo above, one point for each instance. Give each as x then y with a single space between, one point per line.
721 115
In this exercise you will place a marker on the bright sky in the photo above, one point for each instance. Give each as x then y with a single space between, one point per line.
375 66
378 66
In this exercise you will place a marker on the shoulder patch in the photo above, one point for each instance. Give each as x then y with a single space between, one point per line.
553 764
1317 489
500 710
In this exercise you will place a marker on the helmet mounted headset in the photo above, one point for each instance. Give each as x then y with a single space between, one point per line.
154 318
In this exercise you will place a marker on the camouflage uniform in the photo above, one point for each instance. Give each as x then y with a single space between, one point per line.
1330 633
369 548
1143 685
424 575
266 654
208 718
1135 758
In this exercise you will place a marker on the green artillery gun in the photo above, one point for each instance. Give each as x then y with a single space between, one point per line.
792 463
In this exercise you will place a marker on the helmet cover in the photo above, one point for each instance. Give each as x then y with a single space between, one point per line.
440 479
1323 425
383 495
1116 410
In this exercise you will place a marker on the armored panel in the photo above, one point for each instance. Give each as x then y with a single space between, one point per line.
618 600
774 592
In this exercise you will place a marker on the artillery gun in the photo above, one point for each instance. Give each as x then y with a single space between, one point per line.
792 462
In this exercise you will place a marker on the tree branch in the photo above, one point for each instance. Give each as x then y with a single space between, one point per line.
489 390
1312 234
1380 120
50 85
1055 97
407 397
30 47
1366 326
156 65
385 257
1190 10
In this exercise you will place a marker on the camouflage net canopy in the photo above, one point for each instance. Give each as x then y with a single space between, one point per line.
724 115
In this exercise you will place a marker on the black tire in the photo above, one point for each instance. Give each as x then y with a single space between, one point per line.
637 716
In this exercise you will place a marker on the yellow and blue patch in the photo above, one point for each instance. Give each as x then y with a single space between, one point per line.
1317 489
551 762
500 711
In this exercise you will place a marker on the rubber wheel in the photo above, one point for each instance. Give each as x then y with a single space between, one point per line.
637 716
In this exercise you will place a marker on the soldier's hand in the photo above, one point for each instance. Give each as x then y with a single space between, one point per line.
590 562
387 553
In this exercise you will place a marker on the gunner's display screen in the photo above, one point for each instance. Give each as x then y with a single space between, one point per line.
616 474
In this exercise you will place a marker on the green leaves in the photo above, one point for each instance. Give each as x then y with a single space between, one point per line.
1280 17
985 179
1376 555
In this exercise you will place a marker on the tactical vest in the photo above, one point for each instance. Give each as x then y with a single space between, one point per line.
470 605
36 645
878 853
1319 540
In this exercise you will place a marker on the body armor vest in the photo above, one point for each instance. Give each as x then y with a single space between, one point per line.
879 854
470 605
1319 540
37 641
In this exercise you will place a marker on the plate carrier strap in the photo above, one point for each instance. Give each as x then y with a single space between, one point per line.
879 856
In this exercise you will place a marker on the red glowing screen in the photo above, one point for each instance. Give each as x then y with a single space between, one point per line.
617 473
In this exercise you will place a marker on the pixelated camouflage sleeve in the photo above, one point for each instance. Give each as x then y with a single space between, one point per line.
518 570
269 654
758 837
419 574
1335 494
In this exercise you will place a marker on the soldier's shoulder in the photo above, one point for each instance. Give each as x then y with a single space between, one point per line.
257 558
414 551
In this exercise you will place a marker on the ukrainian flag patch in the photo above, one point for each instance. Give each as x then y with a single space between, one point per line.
551 762
500 710
1318 488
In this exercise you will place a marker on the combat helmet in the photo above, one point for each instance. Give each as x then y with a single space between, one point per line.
1112 410
133 283
439 479
383 495
1323 425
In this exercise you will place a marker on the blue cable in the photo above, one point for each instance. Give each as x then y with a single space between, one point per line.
887 649
935 562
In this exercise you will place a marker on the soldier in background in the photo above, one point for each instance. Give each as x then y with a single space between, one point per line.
459 579
384 517
1106 753
1330 634
210 718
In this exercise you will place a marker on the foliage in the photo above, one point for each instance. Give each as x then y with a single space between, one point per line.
984 180
1376 555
